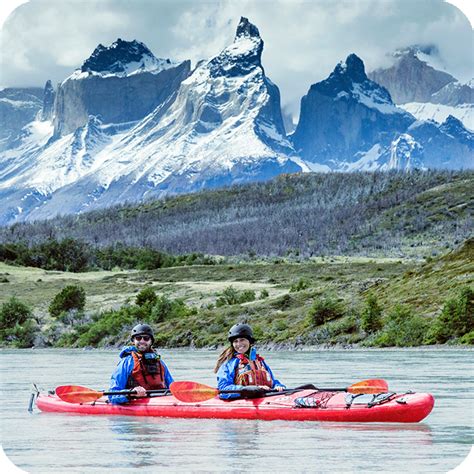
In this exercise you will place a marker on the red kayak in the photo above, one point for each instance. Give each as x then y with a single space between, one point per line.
304 405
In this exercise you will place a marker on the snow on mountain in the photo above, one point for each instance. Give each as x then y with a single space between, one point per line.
18 107
424 145
120 83
121 59
414 76
439 113
222 126
346 115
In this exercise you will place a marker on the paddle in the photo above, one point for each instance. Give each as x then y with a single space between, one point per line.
192 392
78 394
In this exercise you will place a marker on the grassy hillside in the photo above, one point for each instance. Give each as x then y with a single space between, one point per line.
319 301
417 214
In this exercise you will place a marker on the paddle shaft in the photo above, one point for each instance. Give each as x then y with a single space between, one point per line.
132 392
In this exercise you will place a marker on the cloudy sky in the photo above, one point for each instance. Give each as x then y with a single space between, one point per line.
48 39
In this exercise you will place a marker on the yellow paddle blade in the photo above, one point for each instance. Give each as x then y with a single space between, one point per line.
77 394
369 386
191 392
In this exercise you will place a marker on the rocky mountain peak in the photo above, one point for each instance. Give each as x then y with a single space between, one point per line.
48 101
455 128
112 58
242 55
354 67
412 77
247 29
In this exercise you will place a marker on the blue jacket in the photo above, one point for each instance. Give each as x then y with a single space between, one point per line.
226 376
122 373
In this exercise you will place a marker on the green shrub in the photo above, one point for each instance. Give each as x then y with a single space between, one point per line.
110 325
403 329
166 308
456 318
70 297
468 338
264 294
17 327
246 295
370 320
283 302
325 309
231 296
301 284
147 296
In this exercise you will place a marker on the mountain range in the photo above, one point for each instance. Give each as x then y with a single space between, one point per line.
127 126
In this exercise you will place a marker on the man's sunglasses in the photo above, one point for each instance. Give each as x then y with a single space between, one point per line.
144 338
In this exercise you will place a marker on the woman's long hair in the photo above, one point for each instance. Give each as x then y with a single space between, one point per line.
224 356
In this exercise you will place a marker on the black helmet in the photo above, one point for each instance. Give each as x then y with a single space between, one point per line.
141 329
240 330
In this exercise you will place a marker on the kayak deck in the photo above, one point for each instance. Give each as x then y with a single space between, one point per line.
305 405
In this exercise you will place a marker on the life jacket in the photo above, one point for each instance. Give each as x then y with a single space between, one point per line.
148 371
252 372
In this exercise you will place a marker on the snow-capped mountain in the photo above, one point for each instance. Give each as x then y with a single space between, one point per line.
18 107
419 87
344 115
223 126
455 99
127 126
349 123
412 77
120 83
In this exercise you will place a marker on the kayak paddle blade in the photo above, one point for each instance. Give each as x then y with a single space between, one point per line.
191 392
369 386
77 394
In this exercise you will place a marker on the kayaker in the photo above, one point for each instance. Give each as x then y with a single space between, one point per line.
140 367
239 367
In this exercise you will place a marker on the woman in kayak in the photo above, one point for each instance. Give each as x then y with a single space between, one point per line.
140 367
239 367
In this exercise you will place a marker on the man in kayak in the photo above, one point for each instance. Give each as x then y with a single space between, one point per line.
140 367
239 367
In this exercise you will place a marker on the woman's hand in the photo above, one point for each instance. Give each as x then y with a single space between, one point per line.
279 388
139 392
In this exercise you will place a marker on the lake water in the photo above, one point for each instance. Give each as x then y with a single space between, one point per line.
46 443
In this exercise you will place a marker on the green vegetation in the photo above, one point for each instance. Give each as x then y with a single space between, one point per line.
291 217
370 319
232 296
17 326
325 309
70 255
71 297
343 301
403 329
456 319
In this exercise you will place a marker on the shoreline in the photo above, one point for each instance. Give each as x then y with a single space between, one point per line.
263 347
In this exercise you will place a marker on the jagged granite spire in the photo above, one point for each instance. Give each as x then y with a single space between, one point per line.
345 75
48 101
242 55
245 28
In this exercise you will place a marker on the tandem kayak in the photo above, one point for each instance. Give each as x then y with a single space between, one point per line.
304 405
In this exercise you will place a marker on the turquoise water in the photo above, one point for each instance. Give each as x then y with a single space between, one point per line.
45 443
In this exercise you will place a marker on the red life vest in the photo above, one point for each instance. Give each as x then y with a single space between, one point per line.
148 372
252 372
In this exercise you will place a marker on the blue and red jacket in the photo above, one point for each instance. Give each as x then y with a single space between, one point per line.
228 372
122 377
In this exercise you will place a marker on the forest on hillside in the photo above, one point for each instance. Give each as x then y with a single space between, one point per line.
421 213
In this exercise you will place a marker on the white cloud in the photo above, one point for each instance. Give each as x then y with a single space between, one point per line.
48 39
